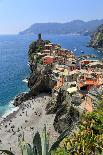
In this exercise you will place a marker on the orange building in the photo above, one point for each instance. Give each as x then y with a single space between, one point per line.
59 83
48 60
87 104
90 82
90 79
85 62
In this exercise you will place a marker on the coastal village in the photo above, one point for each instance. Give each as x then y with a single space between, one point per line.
73 85
51 77
81 77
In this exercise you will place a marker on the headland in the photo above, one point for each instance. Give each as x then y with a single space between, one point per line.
62 87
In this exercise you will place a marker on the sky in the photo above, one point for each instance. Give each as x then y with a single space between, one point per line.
17 15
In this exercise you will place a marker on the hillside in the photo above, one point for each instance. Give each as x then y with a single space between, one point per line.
97 38
73 27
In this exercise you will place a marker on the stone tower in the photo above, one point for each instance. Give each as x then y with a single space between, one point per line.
39 36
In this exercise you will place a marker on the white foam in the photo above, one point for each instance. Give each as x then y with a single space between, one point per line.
25 80
10 109
28 64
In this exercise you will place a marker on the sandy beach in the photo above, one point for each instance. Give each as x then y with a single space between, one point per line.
28 119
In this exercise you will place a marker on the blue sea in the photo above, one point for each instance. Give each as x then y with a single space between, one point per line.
14 58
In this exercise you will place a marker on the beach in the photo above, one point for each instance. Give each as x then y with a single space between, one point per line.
28 119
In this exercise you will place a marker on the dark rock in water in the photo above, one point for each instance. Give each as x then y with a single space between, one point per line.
97 38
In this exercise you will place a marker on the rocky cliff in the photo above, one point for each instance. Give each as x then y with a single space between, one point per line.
97 39
39 80
67 109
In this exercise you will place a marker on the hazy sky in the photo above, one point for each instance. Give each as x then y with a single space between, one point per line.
16 15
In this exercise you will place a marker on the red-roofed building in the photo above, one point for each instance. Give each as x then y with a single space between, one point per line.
48 60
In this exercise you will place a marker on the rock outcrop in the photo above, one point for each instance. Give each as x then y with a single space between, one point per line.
67 110
39 80
66 117
97 39
18 100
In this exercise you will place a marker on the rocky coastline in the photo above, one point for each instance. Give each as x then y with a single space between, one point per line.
97 39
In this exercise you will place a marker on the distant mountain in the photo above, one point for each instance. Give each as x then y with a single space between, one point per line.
73 27
97 38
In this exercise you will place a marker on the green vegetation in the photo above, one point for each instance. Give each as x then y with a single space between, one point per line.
32 56
47 42
97 38
33 50
100 37
32 46
39 48
89 139
38 60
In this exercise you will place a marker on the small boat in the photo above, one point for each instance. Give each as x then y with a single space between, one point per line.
75 50
82 51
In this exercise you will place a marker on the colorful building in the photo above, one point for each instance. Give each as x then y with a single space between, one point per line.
48 60
48 47
60 83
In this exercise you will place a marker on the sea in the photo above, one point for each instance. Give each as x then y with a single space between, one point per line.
14 67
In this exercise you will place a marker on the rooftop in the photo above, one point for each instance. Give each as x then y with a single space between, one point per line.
72 89
48 45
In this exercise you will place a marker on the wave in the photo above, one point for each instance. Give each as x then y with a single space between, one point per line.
25 80
28 63
10 109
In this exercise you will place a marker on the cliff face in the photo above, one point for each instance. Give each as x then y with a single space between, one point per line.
39 80
97 39
67 109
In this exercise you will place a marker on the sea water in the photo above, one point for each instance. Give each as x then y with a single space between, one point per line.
14 67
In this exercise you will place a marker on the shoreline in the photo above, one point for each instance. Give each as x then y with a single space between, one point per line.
33 116
25 80
10 108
